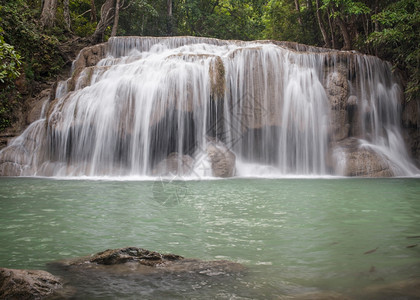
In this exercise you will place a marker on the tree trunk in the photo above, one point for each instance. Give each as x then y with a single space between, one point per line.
376 12
298 11
376 23
169 14
169 8
48 13
365 22
116 18
66 12
345 33
330 21
309 4
106 19
321 26
92 11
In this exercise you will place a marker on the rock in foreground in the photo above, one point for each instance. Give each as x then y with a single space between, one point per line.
129 254
141 261
27 284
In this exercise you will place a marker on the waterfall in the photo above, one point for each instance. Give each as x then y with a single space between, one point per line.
281 108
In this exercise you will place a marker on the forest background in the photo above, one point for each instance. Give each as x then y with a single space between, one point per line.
39 38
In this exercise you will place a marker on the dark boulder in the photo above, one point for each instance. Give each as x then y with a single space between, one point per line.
133 260
130 254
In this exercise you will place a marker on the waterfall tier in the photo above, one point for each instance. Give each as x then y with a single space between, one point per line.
183 105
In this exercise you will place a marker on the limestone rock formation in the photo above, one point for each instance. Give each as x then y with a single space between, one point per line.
16 159
27 284
337 87
222 160
361 161
88 57
337 90
13 162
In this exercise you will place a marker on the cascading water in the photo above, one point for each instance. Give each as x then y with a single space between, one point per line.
279 110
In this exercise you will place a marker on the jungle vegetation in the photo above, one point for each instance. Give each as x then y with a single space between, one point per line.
36 36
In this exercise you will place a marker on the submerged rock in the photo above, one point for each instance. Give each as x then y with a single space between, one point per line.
129 254
322 295
407 289
174 164
133 260
139 273
27 284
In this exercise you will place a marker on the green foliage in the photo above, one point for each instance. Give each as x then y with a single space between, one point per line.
9 72
9 61
22 48
40 53
281 22
399 40
225 19
234 20
82 24
143 18
346 7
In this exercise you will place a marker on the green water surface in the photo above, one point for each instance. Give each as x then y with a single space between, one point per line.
292 235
